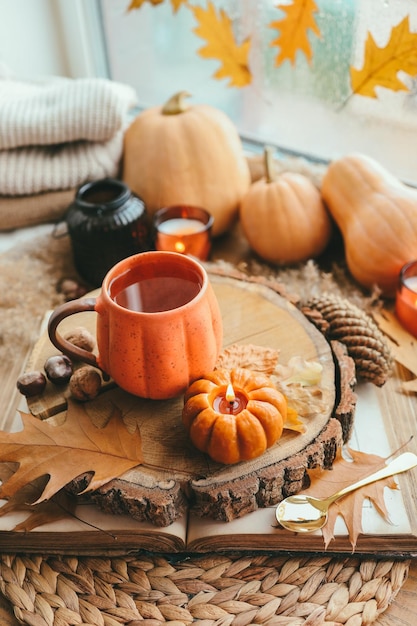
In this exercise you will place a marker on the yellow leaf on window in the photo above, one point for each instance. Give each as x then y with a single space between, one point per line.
293 29
221 45
136 4
381 65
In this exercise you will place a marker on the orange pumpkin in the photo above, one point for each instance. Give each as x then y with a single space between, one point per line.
284 218
181 154
229 437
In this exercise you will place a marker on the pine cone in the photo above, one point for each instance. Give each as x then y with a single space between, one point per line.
350 325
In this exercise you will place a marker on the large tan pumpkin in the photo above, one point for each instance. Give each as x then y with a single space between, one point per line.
284 218
181 154
377 216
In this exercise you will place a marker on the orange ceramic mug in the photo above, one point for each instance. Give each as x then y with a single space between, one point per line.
158 324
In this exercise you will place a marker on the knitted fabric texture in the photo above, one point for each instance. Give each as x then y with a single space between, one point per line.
56 135
40 208
65 110
32 170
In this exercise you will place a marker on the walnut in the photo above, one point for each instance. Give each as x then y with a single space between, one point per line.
71 289
85 383
82 338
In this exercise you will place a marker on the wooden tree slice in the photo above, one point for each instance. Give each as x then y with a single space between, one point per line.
174 475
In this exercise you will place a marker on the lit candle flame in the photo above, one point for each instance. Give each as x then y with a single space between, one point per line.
230 393
179 247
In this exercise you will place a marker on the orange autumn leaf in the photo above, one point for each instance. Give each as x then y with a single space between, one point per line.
381 65
324 483
221 45
67 451
293 30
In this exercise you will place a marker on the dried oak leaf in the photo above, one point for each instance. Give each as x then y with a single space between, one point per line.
293 29
382 65
249 356
345 472
221 45
66 451
60 506
402 344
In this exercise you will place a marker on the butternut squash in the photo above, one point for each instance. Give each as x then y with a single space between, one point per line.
377 216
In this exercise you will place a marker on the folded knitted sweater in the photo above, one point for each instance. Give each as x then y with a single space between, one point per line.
60 111
32 170
59 134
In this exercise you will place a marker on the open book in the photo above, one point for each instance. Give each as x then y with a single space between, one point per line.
385 420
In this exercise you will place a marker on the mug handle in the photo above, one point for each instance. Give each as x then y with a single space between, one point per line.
68 348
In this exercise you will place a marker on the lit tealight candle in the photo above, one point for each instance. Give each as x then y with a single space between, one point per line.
184 229
406 300
230 401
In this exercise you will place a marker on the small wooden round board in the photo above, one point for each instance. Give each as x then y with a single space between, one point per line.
174 475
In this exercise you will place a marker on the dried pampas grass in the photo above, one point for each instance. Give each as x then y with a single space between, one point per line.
29 274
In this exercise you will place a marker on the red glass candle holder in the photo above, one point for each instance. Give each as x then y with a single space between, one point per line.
184 229
406 298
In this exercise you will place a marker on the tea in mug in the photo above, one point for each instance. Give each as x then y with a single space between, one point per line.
153 294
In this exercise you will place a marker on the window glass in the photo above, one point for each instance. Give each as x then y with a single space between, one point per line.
305 104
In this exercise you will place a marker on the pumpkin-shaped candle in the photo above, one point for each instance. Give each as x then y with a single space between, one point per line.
230 402
234 415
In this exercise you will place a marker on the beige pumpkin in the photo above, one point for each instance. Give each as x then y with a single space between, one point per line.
284 218
377 216
182 154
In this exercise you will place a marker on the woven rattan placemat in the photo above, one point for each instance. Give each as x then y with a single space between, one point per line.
211 590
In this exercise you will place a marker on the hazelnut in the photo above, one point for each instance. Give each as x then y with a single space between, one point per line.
58 369
82 338
31 383
71 289
85 383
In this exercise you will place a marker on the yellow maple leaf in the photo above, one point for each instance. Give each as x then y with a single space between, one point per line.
381 65
221 45
293 29
137 4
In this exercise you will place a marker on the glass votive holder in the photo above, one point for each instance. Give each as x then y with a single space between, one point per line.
184 229
406 298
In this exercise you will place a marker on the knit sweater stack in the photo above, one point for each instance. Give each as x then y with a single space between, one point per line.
54 136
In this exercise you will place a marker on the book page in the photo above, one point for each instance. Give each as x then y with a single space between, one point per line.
93 530
259 529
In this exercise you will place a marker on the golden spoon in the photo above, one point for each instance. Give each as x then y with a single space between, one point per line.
304 513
